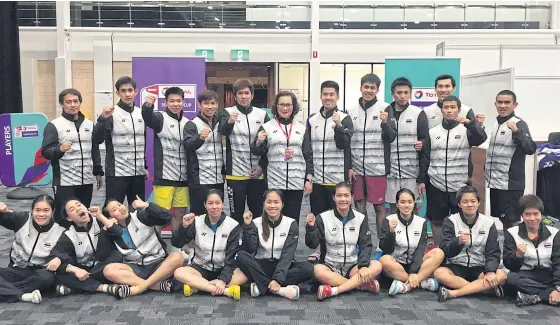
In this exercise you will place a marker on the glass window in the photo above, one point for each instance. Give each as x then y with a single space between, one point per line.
480 17
450 17
538 17
146 15
295 78
334 72
354 74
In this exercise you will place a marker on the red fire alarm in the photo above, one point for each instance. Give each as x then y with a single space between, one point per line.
314 54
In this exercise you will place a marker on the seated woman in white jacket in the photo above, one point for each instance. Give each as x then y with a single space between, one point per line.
403 239
216 242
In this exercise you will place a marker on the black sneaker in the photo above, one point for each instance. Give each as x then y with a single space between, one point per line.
499 291
524 299
443 294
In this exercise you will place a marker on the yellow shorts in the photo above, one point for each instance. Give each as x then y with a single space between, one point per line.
171 196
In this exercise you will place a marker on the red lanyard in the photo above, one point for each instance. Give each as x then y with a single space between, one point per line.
283 131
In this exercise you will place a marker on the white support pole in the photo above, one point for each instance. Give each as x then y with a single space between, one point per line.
63 61
315 61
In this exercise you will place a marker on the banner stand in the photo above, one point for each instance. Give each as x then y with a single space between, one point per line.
25 193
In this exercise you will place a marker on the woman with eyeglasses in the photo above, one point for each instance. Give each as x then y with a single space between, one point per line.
288 149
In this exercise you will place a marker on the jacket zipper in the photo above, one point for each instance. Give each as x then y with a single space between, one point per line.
407 244
212 254
398 148
344 242
180 162
91 243
364 144
445 174
81 152
249 130
134 137
538 257
33 249
324 136
287 146
215 158
272 248
467 250
492 156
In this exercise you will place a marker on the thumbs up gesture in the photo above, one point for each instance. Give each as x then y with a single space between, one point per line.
139 204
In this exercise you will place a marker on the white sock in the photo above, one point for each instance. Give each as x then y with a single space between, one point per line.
289 292
334 291
34 297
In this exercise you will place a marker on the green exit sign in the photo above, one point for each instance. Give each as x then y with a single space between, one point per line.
205 53
239 54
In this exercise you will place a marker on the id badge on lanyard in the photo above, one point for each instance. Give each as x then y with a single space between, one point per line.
288 152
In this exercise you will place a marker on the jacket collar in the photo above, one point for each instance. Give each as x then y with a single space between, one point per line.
274 224
404 221
126 107
44 228
244 110
326 114
448 125
72 118
544 233
349 217
213 122
83 229
365 105
209 223
465 220
439 104
173 115
502 120
284 121
393 104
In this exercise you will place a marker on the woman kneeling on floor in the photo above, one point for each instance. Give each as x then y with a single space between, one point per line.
403 240
216 242
267 252
83 251
532 254
470 243
340 233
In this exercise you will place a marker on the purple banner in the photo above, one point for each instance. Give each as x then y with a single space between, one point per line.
7 153
154 76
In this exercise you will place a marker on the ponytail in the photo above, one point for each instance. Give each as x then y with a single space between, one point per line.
265 226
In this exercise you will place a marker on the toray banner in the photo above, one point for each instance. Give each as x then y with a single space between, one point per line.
422 73
155 75
21 162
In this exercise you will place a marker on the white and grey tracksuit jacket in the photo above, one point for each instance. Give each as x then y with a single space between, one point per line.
482 250
447 151
542 254
82 162
124 134
147 247
339 241
331 146
435 117
239 136
170 158
204 157
412 125
32 243
408 243
505 156
280 246
281 174
213 250
371 141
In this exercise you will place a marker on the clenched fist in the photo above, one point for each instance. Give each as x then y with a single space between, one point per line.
261 136
418 145
383 116
95 211
462 119
336 118
512 126
311 219
521 249
65 146
233 117
480 118
464 237
247 217
393 225
4 208
108 111
204 133
150 99
188 220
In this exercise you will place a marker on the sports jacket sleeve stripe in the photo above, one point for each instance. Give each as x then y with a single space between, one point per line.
366 245
492 251
287 256
418 256
386 238
449 242
232 247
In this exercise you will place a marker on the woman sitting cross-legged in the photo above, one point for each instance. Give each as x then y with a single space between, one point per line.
532 254
267 253
339 233
470 243
216 242
146 262
403 240
84 250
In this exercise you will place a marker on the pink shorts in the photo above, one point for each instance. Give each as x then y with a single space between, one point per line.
374 186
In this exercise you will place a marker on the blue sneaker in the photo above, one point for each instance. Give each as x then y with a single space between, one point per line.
378 254
430 284
397 287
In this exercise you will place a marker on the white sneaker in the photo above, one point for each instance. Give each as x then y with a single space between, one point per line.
397 287
255 290
430 284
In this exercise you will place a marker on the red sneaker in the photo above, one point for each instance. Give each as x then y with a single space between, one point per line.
324 291
371 286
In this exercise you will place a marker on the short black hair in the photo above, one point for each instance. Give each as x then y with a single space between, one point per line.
43 197
174 91
330 84
445 77
124 81
215 191
370 78
105 209
69 91
401 81
207 95
530 201
286 93
343 185
452 98
467 190
507 92
241 84
64 212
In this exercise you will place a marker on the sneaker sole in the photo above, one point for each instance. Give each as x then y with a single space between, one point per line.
394 289
254 285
